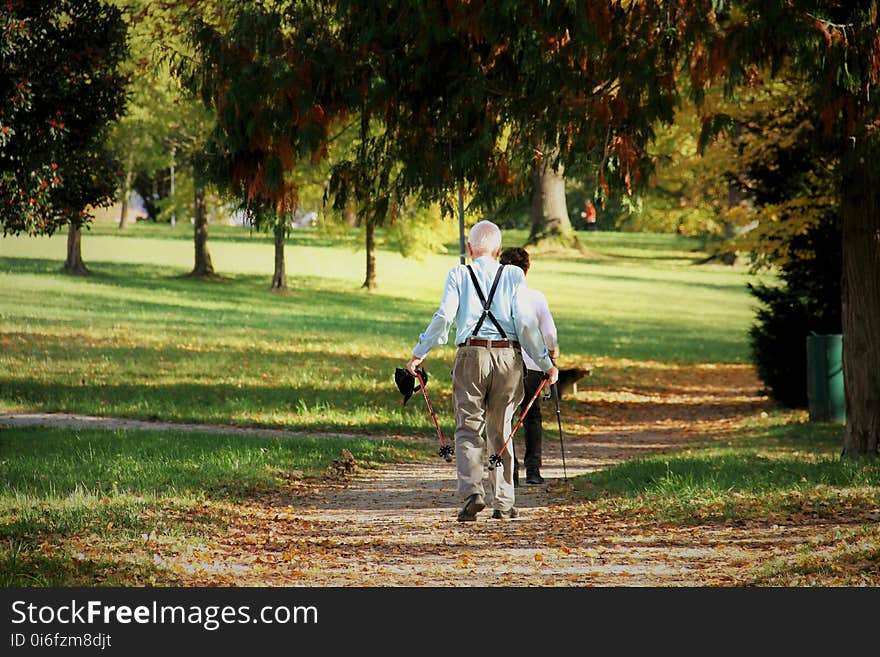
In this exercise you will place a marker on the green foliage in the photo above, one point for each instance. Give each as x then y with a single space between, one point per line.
164 125
809 301
263 77
417 232
765 187
457 95
467 99
60 85
788 181
689 193
783 170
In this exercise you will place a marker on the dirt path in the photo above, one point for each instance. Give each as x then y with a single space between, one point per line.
396 526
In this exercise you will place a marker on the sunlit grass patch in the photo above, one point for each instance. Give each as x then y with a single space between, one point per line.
53 463
74 504
137 339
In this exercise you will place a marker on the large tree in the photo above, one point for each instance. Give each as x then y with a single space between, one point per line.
289 97
549 210
268 75
465 92
60 88
835 46
167 126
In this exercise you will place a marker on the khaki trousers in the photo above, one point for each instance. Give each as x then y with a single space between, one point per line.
487 387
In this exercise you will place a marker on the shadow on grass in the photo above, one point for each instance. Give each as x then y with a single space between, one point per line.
330 392
296 386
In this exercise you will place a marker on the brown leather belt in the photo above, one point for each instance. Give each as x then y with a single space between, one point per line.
479 342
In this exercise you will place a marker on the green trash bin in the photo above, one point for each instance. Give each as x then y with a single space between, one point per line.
825 392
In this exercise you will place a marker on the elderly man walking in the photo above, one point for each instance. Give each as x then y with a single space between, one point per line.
493 322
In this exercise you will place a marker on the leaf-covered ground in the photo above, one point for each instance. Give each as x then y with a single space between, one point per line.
395 526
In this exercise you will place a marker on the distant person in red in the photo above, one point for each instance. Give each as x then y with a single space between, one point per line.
589 215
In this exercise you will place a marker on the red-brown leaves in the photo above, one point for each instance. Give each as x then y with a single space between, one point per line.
698 64
628 158
600 16
874 70
553 43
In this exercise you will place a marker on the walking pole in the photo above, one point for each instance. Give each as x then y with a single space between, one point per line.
495 459
446 451
555 388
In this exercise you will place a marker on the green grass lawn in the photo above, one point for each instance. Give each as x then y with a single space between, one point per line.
68 490
137 339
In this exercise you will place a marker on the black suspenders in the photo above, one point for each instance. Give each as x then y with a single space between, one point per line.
487 303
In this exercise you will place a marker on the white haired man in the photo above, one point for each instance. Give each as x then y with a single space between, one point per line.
493 322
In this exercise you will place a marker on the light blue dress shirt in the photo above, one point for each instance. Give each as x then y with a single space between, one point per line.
461 305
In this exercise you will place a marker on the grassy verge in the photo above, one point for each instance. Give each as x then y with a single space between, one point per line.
778 470
86 507
138 339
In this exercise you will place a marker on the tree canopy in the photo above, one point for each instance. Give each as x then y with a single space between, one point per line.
835 47
60 87
477 93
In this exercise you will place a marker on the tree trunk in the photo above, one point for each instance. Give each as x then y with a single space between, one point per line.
74 264
551 224
860 214
734 198
126 190
204 268
124 210
173 197
279 279
370 280
349 211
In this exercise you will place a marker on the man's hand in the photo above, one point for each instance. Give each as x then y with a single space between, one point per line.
553 373
413 363
554 353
